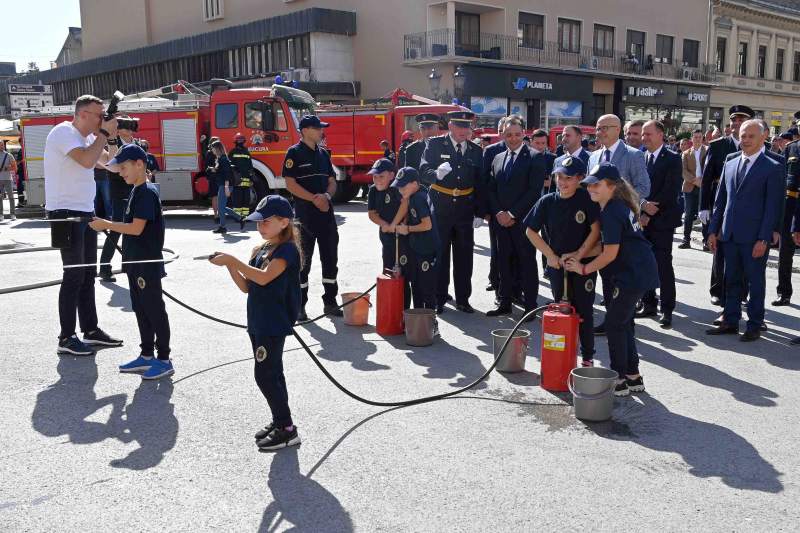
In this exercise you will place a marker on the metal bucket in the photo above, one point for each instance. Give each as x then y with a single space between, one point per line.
356 313
592 391
419 325
513 358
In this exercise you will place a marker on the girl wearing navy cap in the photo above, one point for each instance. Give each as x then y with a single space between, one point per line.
271 280
628 258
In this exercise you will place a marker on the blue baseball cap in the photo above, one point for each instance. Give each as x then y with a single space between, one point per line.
128 152
381 165
405 176
571 166
793 131
272 205
603 171
312 121
787 136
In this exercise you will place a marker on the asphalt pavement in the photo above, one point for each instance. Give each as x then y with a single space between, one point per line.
711 445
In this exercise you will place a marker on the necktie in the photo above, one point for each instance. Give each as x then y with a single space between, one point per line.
742 171
458 151
608 155
650 163
509 164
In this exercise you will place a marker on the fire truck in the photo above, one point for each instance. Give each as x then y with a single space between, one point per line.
178 119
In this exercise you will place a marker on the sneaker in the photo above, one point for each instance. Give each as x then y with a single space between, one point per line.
622 389
100 337
106 275
333 310
140 364
280 438
685 245
587 363
262 433
73 345
159 369
635 385
220 229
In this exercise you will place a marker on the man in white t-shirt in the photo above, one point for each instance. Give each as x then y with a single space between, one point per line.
71 152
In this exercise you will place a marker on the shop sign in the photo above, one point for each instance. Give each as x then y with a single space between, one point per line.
521 84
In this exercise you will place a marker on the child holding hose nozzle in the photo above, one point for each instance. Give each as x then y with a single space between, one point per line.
271 280
570 220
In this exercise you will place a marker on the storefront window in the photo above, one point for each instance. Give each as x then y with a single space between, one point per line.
489 110
558 112
675 119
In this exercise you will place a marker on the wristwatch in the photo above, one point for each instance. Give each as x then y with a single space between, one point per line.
104 132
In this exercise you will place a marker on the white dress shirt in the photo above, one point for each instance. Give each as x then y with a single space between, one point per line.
613 150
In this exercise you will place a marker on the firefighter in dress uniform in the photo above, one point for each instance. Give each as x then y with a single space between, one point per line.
787 246
428 124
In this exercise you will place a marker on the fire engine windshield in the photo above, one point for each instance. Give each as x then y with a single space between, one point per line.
300 102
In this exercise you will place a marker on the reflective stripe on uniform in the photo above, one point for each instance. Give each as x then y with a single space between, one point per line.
328 280
304 285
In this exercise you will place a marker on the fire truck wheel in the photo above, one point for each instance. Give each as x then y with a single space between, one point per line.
345 191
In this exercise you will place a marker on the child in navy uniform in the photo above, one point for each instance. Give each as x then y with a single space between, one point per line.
569 217
142 228
423 238
271 280
628 259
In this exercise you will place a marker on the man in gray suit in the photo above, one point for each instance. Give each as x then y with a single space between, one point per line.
632 166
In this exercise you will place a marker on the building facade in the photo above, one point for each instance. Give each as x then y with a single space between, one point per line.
756 48
72 50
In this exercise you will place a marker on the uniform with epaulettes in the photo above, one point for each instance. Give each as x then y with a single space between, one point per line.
787 247
412 157
456 201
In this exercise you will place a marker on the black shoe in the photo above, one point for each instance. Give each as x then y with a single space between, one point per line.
635 385
490 288
603 302
646 312
280 438
666 321
106 276
439 309
795 341
499 310
100 337
448 298
762 327
719 320
220 229
716 301
600 329
723 329
242 222
750 336
622 389
332 310
782 300
464 307
640 306
302 317
262 433
685 245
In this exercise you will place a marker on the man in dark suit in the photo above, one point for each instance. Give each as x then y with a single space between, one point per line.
539 146
488 156
744 219
660 215
573 147
428 124
451 165
516 179
718 151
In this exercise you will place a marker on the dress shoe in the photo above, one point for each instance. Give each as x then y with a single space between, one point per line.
685 245
639 306
302 316
666 321
499 310
716 301
600 329
723 329
795 341
449 298
750 336
464 307
439 309
762 327
647 311
782 300
106 276
333 310
719 320
490 288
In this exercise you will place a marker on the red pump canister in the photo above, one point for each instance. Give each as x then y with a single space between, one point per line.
390 303
559 345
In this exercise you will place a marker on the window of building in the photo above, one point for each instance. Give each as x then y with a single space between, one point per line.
691 52
761 66
664 48
603 40
780 55
226 116
213 9
741 68
634 44
530 33
468 31
796 67
569 35
722 47
294 52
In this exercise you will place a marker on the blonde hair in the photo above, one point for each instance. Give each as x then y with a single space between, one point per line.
623 191
291 234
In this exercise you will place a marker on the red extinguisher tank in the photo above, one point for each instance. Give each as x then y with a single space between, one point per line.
390 304
559 345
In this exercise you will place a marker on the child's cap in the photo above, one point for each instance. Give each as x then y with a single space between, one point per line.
381 165
603 171
405 176
570 166
128 152
272 205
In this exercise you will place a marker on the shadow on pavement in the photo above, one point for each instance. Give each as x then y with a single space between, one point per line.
120 296
710 450
345 343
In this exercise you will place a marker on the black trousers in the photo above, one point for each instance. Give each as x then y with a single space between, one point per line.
513 246
424 277
268 371
786 251
620 331
118 206
494 276
320 231
151 314
76 294
580 293
454 216
691 201
661 239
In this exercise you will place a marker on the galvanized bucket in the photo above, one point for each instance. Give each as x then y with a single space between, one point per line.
419 325
592 391
513 358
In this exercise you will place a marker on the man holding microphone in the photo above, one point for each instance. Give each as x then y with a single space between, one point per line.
71 152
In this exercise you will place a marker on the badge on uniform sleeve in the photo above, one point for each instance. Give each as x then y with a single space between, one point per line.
616 293
413 212
289 163
589 285
567 162
261 353
140 282
425 266
580 217
403 260
386 199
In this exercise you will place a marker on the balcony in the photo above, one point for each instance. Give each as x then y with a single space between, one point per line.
442 45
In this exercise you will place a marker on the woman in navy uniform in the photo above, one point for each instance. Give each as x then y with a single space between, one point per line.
271 280
423 238
628 259
310 178
571 220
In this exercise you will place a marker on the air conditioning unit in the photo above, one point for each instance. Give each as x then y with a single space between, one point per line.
686 74
297 74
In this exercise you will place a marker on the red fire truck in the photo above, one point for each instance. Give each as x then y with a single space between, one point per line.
177 119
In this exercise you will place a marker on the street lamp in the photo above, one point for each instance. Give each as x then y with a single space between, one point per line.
459 79
435 80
